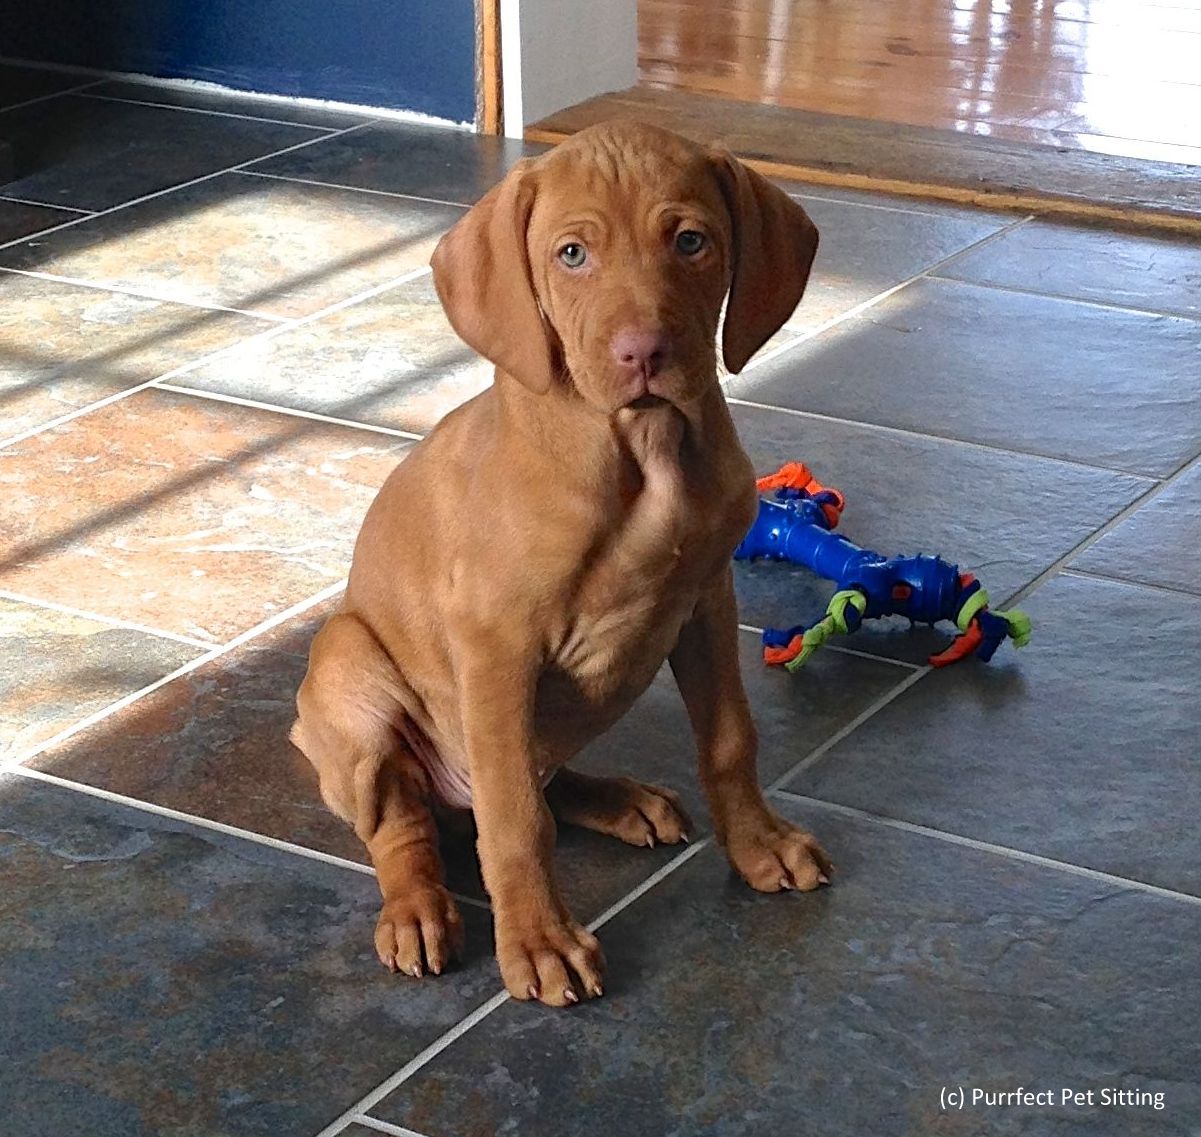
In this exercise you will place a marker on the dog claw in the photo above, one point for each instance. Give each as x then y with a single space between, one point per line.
597 990
786 884
533 991
571 996
417 972
822 878
650 840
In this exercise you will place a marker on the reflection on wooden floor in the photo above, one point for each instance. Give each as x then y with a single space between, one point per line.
1114 76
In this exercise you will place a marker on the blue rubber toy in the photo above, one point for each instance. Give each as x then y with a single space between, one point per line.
798 527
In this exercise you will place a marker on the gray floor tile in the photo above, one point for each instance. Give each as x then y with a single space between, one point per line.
1158 544
64 346
18 219
864 251
191 515
391 360
214 743
1084 748
165 980
56 668
1029 373
268 247
19 84
91 154
394 157
1005 517
1132 270
281 110
730 1014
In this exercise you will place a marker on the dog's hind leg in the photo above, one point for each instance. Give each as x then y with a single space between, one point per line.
348 727
618 807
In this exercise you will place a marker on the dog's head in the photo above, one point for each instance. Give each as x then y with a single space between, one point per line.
604 263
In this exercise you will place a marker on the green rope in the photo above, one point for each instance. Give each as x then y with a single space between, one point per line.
834 623
971 608
1019 626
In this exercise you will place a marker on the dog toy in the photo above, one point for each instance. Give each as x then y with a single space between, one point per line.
798 527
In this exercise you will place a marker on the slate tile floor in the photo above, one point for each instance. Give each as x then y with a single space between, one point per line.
204 374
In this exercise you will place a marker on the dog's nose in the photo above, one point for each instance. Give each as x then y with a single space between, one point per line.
641 352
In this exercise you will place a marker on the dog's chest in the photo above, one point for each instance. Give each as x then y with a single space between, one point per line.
642 583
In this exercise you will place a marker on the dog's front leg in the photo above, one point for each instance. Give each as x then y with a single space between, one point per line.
770 853
543 953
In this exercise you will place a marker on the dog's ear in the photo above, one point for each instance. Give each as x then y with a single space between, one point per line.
774 244
482 274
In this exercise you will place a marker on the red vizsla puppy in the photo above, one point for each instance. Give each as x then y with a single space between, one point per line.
467 665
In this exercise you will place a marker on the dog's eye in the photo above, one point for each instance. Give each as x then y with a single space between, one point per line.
573 256
690 242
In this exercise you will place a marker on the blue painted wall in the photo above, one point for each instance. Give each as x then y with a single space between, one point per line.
410 54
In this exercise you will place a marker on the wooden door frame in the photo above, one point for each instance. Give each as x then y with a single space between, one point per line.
521 74
490 103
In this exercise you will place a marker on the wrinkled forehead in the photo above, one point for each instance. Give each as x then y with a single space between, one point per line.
622 173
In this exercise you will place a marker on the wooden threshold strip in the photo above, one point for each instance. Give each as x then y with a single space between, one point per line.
916 162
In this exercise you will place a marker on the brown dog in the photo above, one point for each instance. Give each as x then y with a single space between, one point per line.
525 572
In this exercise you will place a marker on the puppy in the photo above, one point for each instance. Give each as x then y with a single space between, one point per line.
524 573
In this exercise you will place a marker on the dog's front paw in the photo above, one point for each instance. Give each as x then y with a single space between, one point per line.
771 855
556 962
420 931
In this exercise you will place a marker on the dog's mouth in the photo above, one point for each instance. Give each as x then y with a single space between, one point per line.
646 403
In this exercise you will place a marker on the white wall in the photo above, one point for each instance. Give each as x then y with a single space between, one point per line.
558 52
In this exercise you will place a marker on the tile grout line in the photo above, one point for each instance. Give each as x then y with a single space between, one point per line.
142 294
356 189
184 185
1101 304
872 301
948 214
111 621
422 1058
842 650
659 875
905 432
379 1126
430 1052
52 95
205 110
296 412
143 806
251 836
1166 589
267 333
1005 851
45 205
872 709
1087 543
186 669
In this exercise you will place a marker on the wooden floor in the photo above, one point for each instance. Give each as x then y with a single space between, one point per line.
1111 76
